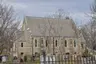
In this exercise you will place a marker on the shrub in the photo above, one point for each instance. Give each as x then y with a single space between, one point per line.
25 58
86 53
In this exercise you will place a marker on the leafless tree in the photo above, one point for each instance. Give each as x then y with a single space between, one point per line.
89 30
46 29
8 27
89 33
49 29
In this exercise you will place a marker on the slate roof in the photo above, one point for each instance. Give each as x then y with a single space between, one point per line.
40 26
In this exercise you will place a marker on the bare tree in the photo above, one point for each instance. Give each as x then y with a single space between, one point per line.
46 30
89 30
8 27
49 29
89 33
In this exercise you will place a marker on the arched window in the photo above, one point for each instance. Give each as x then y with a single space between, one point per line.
35 43
21 44
82 46
70 41
65 43
46 43
56 43
41 40
74 43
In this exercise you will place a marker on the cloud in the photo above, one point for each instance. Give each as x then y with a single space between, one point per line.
81 18
17 6
76 8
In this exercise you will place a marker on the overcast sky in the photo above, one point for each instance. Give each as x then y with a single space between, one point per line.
77 9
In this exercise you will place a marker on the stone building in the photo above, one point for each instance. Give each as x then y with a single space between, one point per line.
50 35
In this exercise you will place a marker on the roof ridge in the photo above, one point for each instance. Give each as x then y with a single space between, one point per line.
46 17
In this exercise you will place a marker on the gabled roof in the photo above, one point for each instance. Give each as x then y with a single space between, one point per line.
41 26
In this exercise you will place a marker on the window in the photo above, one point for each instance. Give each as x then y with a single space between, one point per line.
22 53
46 43
82 45
74 52
56 43
67 53
65 43
35 43
41 40
74 43
71 41
21 44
